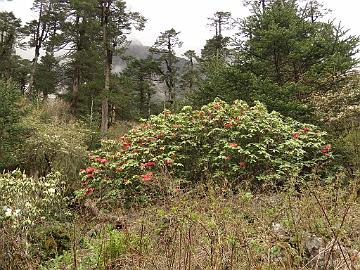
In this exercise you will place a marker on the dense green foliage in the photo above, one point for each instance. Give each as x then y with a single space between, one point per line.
284 55
11 130
55 145
227 143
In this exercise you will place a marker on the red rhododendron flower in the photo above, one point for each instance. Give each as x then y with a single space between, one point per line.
89 191
228 125
149 164
306 130
147 177
90 170
90 175
242 164
126 145
233 145
216 106
103 161
296 136
326 149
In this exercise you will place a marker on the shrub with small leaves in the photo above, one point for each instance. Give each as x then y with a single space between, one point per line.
236 143
26 205
54 145
25 201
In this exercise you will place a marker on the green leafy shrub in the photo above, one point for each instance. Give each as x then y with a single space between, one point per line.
234 143
349 145
26 204
54 145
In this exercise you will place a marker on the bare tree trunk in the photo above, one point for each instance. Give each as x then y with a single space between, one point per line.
107 69
32 75
104 114
105 101
40 36
75 89
76 78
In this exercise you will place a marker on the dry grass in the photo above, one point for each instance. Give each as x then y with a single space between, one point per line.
315 227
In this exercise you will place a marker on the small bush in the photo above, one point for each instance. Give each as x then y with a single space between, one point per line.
234 143
25 205
53 145
349 145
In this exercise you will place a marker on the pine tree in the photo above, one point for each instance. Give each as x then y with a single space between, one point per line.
116 23
164 50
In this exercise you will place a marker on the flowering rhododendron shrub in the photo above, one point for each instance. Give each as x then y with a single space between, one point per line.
235 143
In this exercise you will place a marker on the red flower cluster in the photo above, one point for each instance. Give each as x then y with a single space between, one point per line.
228 125
306 130
125 143
242 164
326 150
89 191
296 136
233 145
101 160
148 164
90 170
147 177
216 106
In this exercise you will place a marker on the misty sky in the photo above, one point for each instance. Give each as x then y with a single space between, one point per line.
190 16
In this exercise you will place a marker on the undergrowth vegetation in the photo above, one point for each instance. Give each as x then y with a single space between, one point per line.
224 187
210 227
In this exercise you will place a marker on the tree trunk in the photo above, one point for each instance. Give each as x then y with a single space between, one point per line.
104 114
142 98
107 69
76 78
105 101
32 74
75 90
